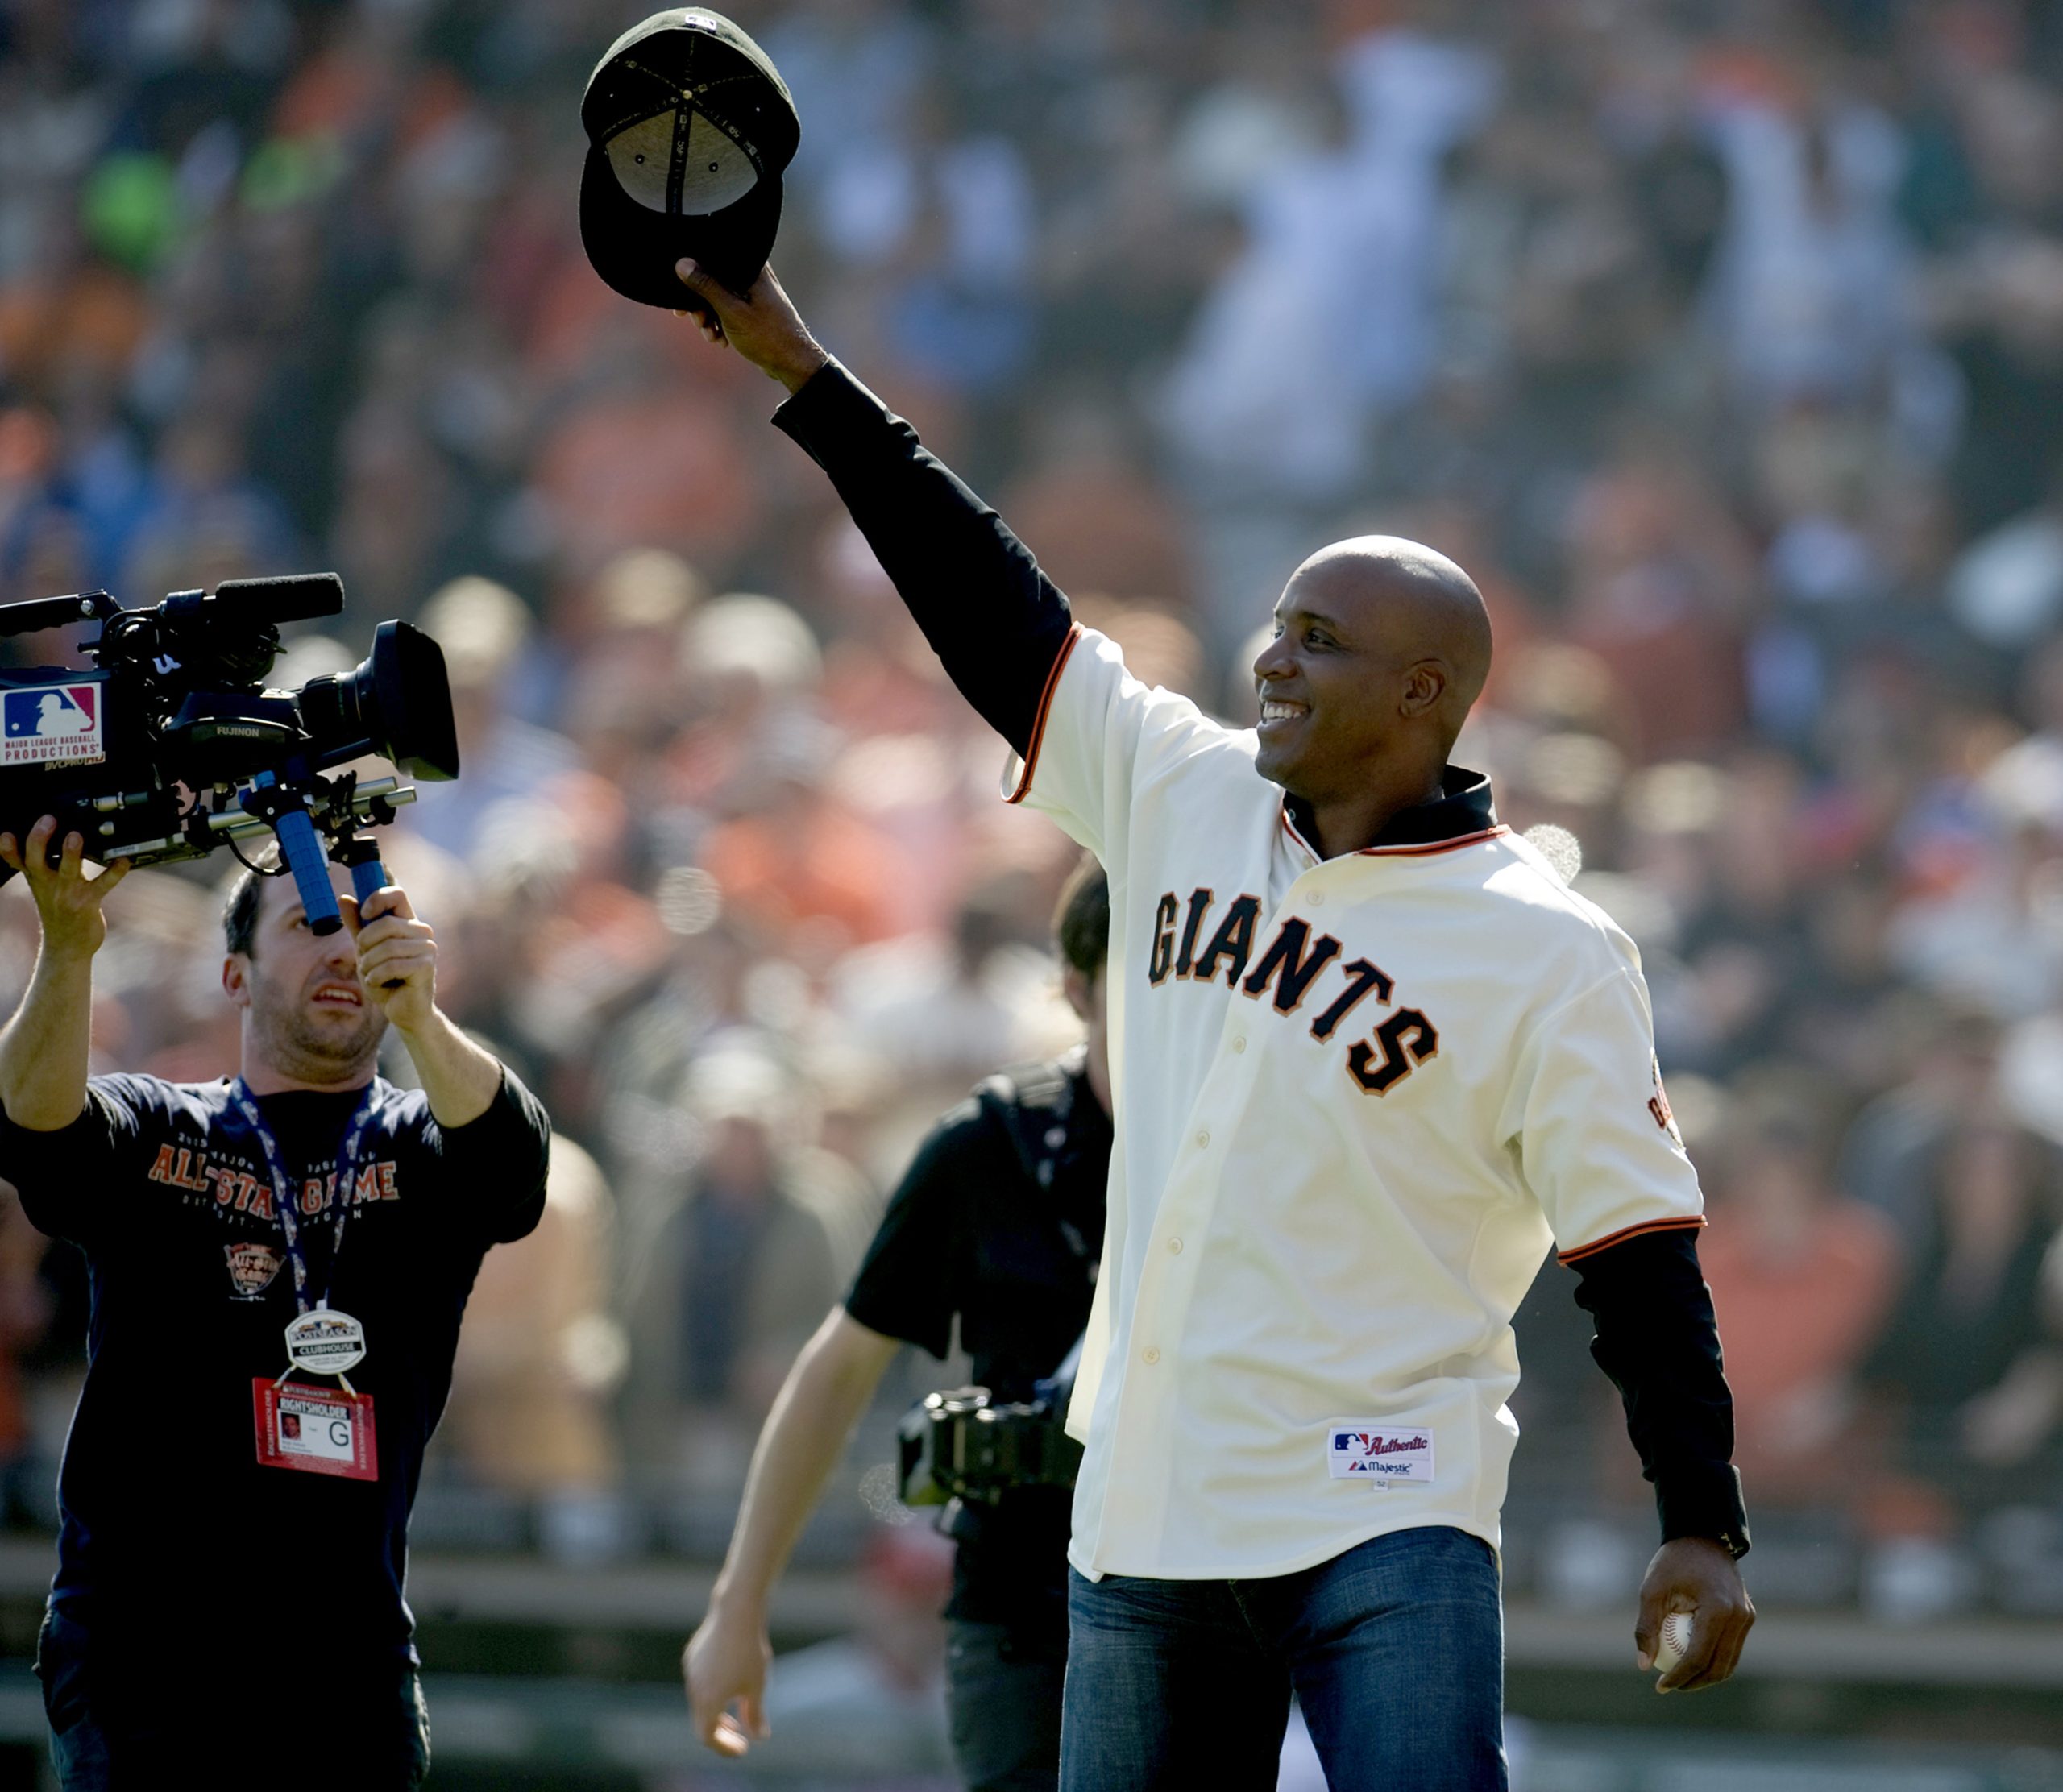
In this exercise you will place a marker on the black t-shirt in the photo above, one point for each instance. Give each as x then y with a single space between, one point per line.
999 1222
175 1538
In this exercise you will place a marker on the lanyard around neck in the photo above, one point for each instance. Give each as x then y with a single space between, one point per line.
306 1299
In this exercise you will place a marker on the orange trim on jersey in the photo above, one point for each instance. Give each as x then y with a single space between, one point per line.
1290 827
1434 846
1420 851
1038 721
1582 1251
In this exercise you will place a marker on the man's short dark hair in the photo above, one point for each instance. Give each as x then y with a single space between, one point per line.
1081 919
240 907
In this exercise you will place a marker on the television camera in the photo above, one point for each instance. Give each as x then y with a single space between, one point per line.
170 745
958 1445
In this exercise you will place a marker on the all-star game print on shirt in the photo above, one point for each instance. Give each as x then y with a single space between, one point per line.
172 1530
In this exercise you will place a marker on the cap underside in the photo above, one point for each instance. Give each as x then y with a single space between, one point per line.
634 246
714 172
689 125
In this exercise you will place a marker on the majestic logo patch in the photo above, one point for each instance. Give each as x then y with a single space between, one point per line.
251 1268
1362 1451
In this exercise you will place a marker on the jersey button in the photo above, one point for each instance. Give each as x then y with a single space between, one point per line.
1151 1354
1203 1141
1318 898
1174 1247
1239 1044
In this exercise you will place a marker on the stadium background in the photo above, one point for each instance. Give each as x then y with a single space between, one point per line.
1724 342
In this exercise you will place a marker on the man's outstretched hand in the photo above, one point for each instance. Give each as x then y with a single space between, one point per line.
761 323
1694 1574
68 902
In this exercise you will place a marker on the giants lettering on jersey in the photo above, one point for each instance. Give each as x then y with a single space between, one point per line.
1293 968
235 1186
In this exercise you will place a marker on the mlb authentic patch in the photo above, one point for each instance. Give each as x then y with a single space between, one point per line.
1361 1450
252 1268
52 724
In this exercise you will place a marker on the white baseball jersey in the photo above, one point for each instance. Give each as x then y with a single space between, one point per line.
1357 1100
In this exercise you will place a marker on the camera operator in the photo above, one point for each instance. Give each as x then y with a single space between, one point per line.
228 1599
998 1220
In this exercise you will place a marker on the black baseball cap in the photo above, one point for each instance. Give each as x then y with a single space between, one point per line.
689 127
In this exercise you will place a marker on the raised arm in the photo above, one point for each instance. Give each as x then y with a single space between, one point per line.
43 1047
724 1665
996 622
397 965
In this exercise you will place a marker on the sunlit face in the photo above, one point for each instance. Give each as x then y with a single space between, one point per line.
305 1013
1330 686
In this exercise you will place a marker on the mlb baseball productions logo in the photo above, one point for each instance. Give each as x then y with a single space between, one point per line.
1363 1452
50 725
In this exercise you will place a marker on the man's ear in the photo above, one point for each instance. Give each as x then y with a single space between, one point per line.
236 979
1424 685
1076 988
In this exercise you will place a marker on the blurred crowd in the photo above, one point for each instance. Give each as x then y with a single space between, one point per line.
1723 343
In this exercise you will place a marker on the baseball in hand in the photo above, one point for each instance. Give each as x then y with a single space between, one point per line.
1674 1639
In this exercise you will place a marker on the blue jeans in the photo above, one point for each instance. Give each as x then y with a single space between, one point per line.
1396 1650
1003 1694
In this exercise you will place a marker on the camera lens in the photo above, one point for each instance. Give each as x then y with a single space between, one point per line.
396 702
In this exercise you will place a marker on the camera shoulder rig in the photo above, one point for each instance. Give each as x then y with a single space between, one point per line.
170 745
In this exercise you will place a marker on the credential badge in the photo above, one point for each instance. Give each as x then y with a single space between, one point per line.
325 1342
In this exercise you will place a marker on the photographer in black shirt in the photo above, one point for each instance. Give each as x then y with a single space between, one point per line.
279 1264
999 1221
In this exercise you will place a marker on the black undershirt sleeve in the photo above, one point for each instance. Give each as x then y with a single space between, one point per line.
1657 1340
996 622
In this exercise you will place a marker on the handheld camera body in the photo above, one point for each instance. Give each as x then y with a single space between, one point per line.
170 745
957 1444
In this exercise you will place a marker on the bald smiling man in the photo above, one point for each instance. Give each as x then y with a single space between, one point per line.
1370 1063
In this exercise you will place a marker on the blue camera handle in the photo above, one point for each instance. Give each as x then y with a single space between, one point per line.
368 875
303 852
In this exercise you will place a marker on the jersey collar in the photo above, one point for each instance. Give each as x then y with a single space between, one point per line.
1463 810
